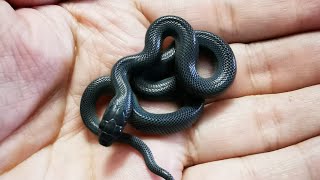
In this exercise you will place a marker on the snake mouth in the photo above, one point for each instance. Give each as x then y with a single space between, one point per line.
106 139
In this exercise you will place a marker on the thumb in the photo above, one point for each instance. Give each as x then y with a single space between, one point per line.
28 3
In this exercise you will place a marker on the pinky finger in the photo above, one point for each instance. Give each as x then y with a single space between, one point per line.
300 161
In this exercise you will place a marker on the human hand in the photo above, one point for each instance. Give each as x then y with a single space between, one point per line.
266 126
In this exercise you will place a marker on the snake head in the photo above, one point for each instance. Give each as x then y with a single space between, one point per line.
110 131
111 126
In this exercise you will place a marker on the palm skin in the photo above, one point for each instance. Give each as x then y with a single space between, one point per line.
264 127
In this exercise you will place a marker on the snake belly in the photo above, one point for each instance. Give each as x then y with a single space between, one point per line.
128 78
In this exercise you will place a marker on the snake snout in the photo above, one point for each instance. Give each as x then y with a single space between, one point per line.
109 132
106 139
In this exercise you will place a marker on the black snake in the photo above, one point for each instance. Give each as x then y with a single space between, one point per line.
155 73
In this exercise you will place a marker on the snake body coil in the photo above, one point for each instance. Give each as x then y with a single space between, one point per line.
129 77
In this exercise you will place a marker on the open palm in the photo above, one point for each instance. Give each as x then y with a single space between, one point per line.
266 126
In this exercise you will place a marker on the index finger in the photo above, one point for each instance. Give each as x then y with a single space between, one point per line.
240 21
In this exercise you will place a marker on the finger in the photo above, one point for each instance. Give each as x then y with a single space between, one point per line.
240 21
6 10
299 161
276 66
28 3
254 124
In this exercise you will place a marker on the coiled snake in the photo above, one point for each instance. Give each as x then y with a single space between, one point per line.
153 73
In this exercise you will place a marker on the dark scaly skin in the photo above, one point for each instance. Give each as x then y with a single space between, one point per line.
182 60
